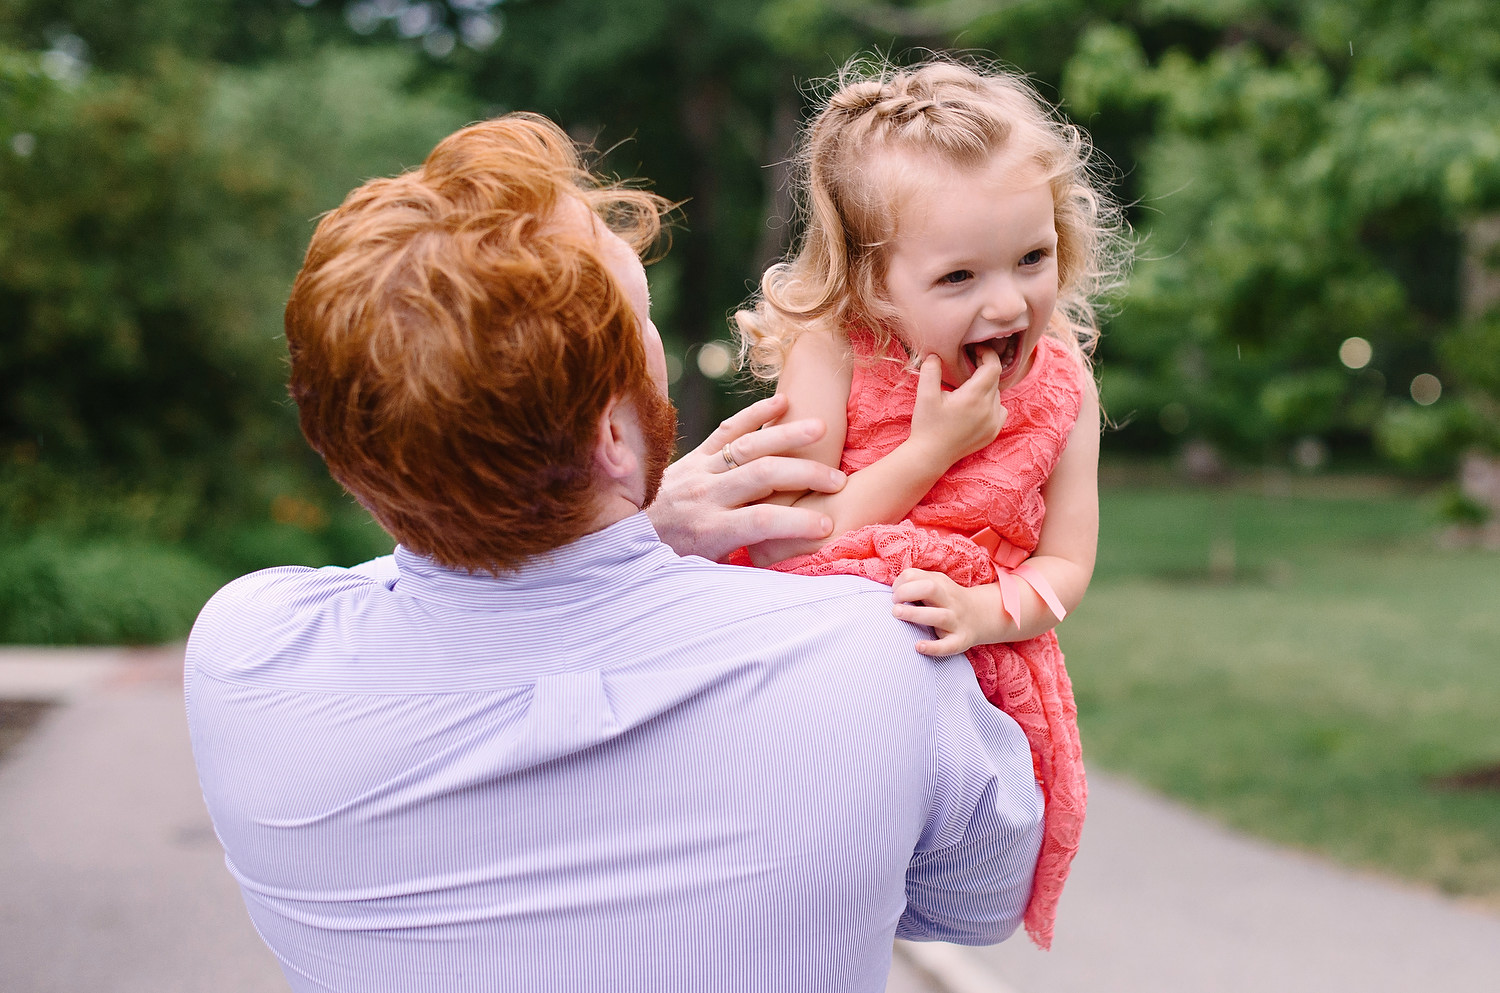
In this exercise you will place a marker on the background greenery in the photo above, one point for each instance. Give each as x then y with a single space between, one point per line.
1302 176
1299 174
1308 665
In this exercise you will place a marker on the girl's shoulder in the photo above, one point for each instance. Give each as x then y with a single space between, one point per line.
1060 364
865 342
821 349
1053 391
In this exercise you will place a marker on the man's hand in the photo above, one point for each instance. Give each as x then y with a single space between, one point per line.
708 506
962 616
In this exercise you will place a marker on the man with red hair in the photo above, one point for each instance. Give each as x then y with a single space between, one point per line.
536 748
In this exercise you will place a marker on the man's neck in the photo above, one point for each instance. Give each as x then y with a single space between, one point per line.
615 504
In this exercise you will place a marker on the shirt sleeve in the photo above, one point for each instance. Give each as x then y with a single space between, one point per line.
970 877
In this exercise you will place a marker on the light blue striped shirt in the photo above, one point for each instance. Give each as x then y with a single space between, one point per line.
615 770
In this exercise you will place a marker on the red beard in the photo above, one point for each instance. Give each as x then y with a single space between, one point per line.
658 419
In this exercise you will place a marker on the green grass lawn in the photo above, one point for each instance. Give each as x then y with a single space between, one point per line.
1305 666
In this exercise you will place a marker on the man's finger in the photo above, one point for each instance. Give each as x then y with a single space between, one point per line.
758 479
744 422
778 439
763 521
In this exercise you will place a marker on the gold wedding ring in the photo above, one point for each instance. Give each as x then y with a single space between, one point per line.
729 460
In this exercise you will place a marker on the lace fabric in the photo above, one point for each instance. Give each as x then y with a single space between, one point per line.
999 488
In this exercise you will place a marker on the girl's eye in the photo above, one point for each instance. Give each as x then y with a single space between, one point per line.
1033 257
957 276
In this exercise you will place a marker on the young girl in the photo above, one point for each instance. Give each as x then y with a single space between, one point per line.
937 316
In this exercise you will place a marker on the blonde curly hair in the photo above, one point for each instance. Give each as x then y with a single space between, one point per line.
965 112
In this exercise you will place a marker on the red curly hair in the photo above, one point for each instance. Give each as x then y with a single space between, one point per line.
453 348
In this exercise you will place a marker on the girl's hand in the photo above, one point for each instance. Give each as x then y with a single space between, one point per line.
962 616
952 424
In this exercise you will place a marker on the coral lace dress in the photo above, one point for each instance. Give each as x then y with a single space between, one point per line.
977 525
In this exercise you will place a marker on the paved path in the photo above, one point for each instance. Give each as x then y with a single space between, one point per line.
1162 901
113 881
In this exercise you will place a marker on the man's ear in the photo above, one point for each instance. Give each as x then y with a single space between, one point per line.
616 448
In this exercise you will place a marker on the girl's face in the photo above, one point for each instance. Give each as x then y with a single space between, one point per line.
973 265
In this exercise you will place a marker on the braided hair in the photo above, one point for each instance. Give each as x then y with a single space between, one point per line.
849 190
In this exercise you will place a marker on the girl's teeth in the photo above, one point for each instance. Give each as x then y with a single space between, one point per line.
1004 350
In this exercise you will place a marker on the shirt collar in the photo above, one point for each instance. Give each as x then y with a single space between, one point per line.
596 565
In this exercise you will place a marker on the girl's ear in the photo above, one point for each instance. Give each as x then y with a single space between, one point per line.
616 442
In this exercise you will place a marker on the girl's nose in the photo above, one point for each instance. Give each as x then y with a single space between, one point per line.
1004 302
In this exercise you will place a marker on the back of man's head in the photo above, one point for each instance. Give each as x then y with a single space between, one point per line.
453 347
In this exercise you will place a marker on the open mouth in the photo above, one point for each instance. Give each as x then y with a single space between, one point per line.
1007 349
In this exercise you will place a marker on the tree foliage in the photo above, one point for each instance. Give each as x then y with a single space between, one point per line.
126 345
1299 175
151 220
1304 177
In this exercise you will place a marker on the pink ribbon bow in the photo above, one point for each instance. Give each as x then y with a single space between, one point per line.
1012 569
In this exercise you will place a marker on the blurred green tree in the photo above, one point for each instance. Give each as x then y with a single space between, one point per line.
124 347
1306 174
151 219
127 36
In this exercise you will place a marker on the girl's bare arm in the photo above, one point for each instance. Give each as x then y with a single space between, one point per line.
947 425
964 617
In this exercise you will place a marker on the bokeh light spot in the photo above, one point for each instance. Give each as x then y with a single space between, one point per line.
1355 353
715 360
416 20
66 61
362 18
1426 389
